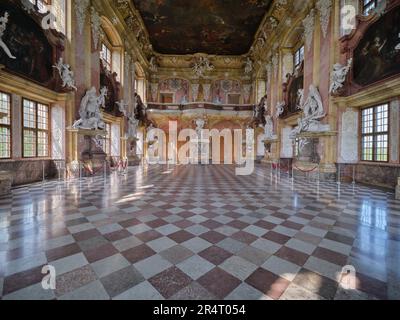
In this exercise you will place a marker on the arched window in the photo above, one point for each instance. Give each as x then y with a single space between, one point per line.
111 49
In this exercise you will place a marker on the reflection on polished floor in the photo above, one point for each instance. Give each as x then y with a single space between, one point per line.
199 232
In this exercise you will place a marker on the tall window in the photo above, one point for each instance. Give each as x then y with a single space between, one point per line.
368 5
5 126
36 129
299 56
106 56
375 134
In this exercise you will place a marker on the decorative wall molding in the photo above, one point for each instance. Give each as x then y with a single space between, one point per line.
96 27
195 91
81 7
324 7
309 26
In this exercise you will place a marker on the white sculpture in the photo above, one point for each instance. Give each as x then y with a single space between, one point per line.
91 117
339 75
3 26
398 46
269 128
280 109
153 64
133 123
313 111
28 6
66 74
300 99
103 96
248 66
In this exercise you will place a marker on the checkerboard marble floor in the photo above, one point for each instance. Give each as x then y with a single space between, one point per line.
199 232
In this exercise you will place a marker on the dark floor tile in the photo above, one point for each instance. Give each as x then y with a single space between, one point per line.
316 283
22 280
117 235
181 236
215 255
170 281
138 253
219 282
331 256
61 252
213 237
292 255
276 237
100 253
268 283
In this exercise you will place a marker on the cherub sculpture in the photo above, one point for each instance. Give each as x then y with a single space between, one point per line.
66 74
339 75
3 26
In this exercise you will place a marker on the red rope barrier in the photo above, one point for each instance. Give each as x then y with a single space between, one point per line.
305 171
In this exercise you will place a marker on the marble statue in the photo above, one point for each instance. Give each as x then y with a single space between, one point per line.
398 45
3 26
339 75
89 112
300 99
313 112
103 96
66 74
200 123
133 123
269 128
248 68
153 64
280 109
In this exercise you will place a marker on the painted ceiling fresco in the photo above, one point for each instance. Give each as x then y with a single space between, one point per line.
225 27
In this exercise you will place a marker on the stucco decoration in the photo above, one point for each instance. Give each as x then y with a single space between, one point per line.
339 75
81 7
309 25
324 8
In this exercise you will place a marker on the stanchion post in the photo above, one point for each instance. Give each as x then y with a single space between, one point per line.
80 169
319 173
339 173
43 174
354 174
105 169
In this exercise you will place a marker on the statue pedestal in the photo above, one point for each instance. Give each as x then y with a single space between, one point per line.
93 156
271 150
398 189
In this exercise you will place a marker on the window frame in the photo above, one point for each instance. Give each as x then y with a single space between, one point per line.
36 130
8 126
367 3
374 133
108 65
300 48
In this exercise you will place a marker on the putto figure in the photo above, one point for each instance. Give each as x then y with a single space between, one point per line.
339 75
91 117
66 74
3 26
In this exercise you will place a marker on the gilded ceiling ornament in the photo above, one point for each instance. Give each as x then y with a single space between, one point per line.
309 25
81 7
201 66
324 7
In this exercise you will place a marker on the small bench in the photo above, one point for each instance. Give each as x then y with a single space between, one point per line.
6 178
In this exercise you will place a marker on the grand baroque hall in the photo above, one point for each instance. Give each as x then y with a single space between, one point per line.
233 150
